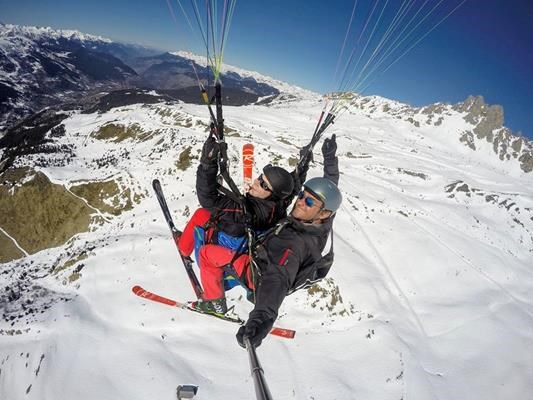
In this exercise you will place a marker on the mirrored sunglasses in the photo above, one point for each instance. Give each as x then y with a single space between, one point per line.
309 201
263 184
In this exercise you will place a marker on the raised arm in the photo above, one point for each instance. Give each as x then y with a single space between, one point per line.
206 175
331 161
299 176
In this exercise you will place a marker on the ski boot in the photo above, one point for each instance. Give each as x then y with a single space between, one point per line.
215 306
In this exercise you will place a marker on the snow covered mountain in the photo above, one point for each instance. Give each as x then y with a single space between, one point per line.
429 297
484 125
42 67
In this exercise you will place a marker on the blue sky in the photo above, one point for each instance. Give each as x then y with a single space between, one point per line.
484 48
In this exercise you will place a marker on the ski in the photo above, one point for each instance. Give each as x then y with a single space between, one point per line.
139 291
187 262
247 164
145 294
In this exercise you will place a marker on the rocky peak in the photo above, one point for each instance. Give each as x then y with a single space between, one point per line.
487 121
479 113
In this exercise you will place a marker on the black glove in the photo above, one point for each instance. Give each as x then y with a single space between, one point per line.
303 150
329 147
209 151
256 330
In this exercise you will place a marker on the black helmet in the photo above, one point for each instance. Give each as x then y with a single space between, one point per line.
280 180
325 190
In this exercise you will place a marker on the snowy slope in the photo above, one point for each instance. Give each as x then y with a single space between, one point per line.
429 298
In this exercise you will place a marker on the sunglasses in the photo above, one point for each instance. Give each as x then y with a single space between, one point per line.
263 184
309 201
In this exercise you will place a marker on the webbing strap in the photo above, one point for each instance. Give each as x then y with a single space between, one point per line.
226 192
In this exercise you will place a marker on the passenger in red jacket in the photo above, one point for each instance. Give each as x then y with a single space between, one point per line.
221 220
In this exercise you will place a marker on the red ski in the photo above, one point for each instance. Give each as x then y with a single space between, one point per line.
139 291
247 164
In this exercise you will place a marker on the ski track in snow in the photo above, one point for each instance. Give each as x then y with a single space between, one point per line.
389 274
453 251
477 269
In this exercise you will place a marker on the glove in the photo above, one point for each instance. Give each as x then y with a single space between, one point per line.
303 150
209 151
329 147
256 330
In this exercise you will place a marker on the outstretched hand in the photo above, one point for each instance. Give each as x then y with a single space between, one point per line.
255 330
329 147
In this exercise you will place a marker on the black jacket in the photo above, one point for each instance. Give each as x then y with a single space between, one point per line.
288 255
263 213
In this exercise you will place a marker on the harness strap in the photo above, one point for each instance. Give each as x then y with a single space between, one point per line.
229 193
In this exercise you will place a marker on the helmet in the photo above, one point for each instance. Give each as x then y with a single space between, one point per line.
325 190
280 180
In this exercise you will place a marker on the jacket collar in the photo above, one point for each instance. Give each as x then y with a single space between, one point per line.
313 229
